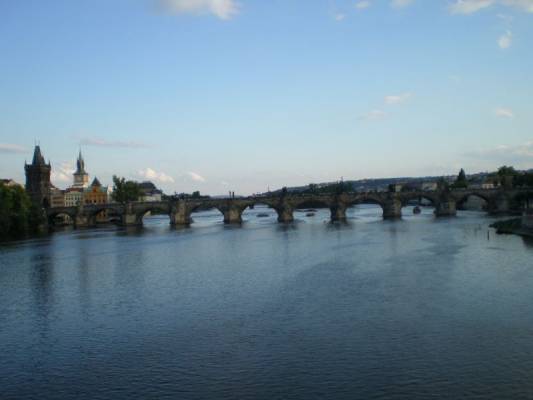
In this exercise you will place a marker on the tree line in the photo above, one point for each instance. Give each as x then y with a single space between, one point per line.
19 217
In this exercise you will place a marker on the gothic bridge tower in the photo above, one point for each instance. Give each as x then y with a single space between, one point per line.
38 179
81 177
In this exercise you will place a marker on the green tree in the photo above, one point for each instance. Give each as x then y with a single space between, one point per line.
18 216
196 194
461 182
507 171
125 191
507 176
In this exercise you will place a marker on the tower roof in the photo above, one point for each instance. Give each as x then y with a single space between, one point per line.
80 164
96 182
38 158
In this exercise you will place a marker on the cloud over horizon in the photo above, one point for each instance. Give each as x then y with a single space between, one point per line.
504 112
153 175
401 3
397 99
222 9
8 148
467 7
505 41
62 173
506 154
195 177
88 141
373 115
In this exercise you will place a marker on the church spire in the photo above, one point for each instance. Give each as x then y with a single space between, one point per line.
38 158
80 164
81 177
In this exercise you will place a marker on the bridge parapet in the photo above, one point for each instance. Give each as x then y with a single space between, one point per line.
180 210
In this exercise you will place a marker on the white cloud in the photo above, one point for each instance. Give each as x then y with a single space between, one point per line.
361 5
505 18
505 40
12 148
401 3
195 176
506 153
473 6
526 5
340 17
89 141
223 9
470 6
374 115
152 175
397 99
504 112
62 173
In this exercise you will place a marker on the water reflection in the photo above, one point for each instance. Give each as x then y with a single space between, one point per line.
42 284
406 309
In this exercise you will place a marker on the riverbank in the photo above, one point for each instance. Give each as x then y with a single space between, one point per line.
512 226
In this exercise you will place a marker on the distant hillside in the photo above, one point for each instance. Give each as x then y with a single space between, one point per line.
383 183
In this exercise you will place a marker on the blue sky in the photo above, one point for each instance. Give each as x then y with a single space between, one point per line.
219 95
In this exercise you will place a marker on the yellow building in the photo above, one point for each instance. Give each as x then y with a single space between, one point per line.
96 194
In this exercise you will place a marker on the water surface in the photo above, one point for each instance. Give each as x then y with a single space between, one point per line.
371 309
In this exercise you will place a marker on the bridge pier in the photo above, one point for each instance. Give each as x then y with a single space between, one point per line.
130 219
500 205
82 221
392 209
338 212
180 218
180 214
285 214
446 208
232 215
527 219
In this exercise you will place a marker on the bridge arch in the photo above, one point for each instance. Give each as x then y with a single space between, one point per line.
53 216
205 213
111 210
259 209
485 204
408 197
369 199
309 206
142 210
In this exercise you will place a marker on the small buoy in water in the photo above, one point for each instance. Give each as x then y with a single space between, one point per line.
417 210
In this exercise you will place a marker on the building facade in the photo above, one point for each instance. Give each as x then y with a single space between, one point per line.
149 192
96 194
73 197
57 197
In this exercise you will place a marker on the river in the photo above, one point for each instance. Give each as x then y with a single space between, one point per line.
371 309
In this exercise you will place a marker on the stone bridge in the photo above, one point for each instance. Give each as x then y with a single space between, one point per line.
446 202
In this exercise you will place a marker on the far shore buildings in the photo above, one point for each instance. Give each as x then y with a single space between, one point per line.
150 192
40 188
